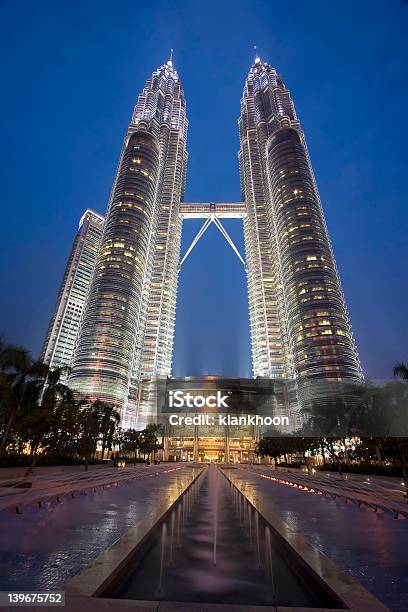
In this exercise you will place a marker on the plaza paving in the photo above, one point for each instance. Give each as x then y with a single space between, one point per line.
45 546
50 485
371 545
381 493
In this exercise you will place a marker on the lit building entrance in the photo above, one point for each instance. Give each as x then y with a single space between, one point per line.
215 443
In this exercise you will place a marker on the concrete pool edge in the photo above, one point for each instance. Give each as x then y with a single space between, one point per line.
102 572
343 585
93 604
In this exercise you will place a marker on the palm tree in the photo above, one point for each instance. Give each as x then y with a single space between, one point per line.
132 442
98 422
401 370
53 389
150 443
19 375
109 421
63 438
43 413
90 419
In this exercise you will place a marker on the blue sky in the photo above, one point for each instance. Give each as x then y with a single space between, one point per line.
71 72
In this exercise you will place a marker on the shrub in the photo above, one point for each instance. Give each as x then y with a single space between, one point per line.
130 460
363 468
294 464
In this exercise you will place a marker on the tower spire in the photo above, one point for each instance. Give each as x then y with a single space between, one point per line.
170 61
257 58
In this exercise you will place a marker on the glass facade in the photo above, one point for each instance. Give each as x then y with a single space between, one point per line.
63 328
298 317
128 324
107 343
300 329
319 336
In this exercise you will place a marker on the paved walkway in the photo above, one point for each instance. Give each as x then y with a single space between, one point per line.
44 471
45 546
380 493
52 485
392 484
371 545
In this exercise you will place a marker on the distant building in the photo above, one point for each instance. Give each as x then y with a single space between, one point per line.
63 328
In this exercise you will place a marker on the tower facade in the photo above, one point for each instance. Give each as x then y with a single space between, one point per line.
299 323
300 329
128 321
64 325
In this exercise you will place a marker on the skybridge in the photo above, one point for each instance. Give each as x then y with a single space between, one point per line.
203 210
212 212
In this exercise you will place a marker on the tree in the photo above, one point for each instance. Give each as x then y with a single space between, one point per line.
401 370
119 438
63 439
89 430
302 445
20 377
275 447
109 420
41 420
132 442
331 414
149 440
97 423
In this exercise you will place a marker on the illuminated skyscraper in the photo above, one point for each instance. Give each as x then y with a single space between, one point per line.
128 322
298 317
63 328
300 329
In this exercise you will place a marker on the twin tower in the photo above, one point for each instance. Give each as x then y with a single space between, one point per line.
299 323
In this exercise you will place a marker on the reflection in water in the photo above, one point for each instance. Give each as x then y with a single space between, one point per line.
215 548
